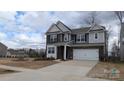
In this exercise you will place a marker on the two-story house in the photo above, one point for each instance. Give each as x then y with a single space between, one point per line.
87 43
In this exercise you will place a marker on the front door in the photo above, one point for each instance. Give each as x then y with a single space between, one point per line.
69 52
60 52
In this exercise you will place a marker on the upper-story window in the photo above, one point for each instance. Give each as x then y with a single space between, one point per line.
66 37
53 38
80 37
96 35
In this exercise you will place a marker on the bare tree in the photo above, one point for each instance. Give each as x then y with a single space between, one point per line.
120 16
92 18
108 33
115 49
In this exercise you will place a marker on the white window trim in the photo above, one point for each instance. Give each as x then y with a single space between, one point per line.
79 36
66 37
53 37
51 50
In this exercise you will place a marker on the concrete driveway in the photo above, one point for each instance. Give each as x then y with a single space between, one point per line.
67 70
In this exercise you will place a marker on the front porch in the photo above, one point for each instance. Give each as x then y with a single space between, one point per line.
64 52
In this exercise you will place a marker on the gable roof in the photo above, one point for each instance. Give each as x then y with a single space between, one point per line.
53 28
58 27
95 27
61 27
2 45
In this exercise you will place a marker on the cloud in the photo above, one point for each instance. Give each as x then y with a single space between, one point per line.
2 36
7 16
27 29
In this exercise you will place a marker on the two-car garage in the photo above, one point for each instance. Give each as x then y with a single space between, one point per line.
86 54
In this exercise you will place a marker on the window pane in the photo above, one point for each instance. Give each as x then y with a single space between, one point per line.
53 38
78 37
96 36
49 50
52 50
82 38
65 37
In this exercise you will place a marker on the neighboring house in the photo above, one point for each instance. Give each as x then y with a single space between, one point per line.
16 53
87 43
40 51
3 50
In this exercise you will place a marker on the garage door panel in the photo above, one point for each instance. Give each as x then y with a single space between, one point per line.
86 54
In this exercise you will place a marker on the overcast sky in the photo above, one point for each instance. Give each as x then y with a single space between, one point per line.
27 29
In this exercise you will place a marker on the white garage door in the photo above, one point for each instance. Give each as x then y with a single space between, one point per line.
86 54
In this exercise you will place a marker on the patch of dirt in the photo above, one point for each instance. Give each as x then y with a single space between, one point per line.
28 63
107 70
4 71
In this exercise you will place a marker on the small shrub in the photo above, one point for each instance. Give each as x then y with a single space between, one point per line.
44 58
114 59
20 59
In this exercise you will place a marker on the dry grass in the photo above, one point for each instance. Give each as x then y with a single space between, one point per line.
99 71
30 63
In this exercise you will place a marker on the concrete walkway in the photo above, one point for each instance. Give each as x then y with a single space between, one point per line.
67 70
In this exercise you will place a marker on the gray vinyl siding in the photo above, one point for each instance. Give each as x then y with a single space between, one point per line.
3 50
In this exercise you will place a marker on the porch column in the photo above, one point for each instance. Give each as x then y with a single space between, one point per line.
64 52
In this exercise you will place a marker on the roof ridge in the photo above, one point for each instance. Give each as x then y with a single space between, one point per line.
80 28
58 28
63 24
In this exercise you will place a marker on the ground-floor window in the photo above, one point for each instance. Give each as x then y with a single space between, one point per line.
51 50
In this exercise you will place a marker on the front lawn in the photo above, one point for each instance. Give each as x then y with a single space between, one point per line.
29 63
108 70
